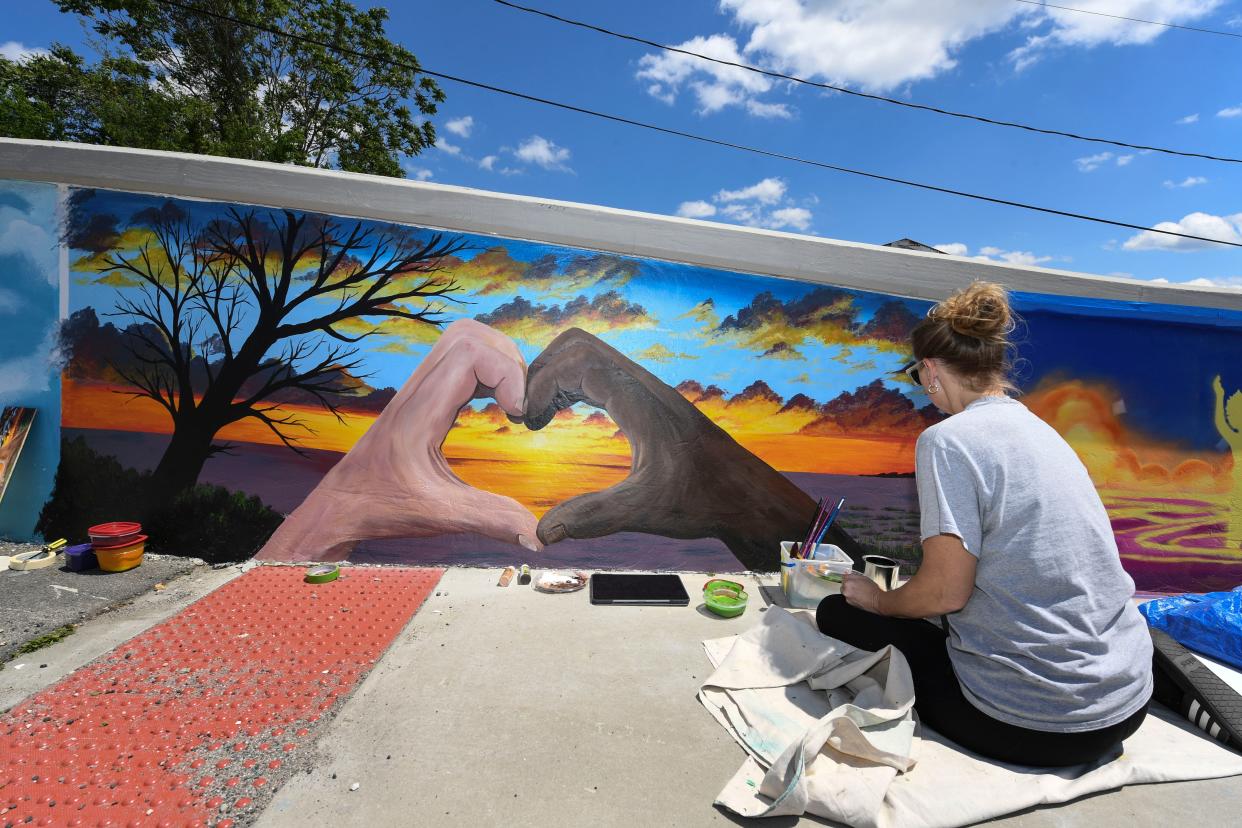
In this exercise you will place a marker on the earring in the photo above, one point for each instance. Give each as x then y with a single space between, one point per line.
933 388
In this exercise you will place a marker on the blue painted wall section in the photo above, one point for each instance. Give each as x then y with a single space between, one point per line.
29 360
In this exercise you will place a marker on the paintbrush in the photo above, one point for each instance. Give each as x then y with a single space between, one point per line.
836 509
815 532
800 547
820 515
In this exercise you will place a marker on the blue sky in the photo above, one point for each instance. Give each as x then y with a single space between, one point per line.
999 58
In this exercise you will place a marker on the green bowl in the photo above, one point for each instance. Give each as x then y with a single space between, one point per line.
725 602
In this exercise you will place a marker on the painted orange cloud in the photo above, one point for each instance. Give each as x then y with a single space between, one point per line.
495 271
538 324
659 353
1116 456
775 327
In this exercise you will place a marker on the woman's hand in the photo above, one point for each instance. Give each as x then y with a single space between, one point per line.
861 592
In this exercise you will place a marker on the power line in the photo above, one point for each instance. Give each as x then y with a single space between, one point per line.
1132 19
847 91
689 135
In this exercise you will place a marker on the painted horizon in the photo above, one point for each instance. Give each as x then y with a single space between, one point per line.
799 374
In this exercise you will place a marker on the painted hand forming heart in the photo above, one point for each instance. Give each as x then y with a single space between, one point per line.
395 482
689 478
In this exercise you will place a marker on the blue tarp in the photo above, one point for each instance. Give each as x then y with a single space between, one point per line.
1210 624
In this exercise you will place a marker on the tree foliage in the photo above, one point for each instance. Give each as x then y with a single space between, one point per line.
175 80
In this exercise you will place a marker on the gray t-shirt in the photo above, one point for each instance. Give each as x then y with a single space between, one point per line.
1049 639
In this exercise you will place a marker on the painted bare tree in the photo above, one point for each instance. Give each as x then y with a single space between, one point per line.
254 304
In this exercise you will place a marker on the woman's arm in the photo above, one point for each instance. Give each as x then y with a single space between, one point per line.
943 584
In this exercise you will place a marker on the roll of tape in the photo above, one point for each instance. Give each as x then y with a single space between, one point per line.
322 574
33 560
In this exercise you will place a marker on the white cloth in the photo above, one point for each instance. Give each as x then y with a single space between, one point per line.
830 731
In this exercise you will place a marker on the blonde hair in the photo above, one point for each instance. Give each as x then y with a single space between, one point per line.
970 332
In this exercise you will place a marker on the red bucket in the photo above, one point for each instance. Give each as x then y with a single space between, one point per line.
114 534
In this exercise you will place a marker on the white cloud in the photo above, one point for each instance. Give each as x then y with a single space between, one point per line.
767 191
875 46
696 209
1070 28
742 214
768 110
1017 258
799 218
1226 282
714 85
762 204
1122 160
419 173
32 373
1230 112
1225 228
1189 181
883 46
488 162
19 52
1189 119
1092 162
443 145
460 126
539 150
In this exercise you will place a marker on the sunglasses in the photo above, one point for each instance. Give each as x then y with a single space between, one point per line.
912 371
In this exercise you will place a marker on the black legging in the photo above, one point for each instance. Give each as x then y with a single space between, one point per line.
938 696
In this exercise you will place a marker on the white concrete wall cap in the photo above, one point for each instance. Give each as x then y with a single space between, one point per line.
868 267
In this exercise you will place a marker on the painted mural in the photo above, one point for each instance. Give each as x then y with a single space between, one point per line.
317 388
29 355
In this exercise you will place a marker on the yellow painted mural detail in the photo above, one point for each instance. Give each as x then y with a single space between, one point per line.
1226 414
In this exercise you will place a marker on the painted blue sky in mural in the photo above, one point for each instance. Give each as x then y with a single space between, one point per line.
1015 61
679 321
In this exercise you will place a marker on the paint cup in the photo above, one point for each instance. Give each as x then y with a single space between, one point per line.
882 570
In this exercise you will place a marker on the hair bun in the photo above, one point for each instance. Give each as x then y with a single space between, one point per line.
980 311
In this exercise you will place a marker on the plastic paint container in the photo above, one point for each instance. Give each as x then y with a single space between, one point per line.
116 533
806 582
81 557
121 558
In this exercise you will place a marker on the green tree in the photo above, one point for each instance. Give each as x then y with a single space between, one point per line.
175 80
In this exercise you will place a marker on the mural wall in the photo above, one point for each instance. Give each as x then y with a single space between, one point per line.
409 396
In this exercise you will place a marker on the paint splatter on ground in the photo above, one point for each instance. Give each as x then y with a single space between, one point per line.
200 719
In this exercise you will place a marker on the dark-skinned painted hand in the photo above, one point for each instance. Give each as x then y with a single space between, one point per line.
688 479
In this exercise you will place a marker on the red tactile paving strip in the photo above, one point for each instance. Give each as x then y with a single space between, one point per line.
198 720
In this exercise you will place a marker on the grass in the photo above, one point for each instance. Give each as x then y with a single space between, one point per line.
45 640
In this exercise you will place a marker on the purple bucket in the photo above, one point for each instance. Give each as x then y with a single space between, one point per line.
81 557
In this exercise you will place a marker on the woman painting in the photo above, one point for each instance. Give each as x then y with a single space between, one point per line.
1042 658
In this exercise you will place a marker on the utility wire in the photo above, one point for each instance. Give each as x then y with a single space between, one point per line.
692 136
846 90
1131 19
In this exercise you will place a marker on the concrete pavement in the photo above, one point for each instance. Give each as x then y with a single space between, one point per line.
510 706
35 602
